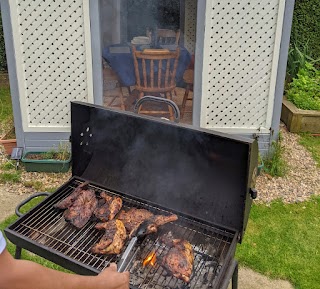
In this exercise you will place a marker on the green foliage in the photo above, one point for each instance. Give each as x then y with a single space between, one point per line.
304 91
306 25
62 153
274 164
10 177
297 59
282 241
312 144
7 166
6 115
3 59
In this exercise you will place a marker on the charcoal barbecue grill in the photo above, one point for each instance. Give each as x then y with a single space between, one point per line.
206 178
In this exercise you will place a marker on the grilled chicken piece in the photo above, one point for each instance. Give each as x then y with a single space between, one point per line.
108 207
102 212
134 217
68 201
82 208
158 220
113 239
179 260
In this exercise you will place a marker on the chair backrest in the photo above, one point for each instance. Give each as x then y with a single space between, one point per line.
155 69
168 36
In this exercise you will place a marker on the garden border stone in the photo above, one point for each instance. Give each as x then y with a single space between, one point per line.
299 120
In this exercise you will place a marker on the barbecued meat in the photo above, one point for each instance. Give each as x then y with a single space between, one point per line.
158 220
134 217
68 201
102 212
179 260
108 207
115 207
113 239
82 208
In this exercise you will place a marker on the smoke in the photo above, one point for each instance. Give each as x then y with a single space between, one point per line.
182 169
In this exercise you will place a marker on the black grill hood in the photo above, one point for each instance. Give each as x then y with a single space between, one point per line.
203 174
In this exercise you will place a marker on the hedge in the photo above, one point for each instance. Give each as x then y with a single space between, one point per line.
3 59
306 26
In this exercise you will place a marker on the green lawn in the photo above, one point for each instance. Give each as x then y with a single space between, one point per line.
283 241
5 104
312 144
5 109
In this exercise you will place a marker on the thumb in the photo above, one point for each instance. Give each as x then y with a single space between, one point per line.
113 266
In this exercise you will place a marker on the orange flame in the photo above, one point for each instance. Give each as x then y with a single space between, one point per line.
151 259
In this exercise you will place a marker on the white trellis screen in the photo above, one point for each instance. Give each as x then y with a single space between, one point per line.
241 52
53 55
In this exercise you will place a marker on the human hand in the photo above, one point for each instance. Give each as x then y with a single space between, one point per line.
111 279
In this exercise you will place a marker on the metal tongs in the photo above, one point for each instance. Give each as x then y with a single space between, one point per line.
126 256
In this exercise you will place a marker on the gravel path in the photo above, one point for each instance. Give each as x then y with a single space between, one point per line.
302 179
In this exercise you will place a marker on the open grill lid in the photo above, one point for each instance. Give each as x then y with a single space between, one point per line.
203 174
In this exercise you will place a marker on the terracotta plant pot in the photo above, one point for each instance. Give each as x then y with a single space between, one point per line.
8 142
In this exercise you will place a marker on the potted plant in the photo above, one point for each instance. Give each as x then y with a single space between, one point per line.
8 140
53 161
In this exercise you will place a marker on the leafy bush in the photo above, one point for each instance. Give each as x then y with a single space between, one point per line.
297 59
3 59
304 91
306 25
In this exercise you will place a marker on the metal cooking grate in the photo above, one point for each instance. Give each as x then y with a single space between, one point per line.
46 226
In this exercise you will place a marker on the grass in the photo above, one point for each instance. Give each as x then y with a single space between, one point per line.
274 164
10 177
312 144
25 254
282 241
6 114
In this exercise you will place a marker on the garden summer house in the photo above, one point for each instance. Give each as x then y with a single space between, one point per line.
56 53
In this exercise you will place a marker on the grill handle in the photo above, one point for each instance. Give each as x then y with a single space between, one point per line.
27 200
150 98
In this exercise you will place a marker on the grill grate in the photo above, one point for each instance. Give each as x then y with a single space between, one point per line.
46 226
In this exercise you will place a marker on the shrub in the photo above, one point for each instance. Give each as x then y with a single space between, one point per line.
297 59
306 25
304 91
3 59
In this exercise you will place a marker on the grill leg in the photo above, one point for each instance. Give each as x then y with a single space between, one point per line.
235 276
17 255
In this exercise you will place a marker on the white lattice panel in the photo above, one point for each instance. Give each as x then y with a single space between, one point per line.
53 54
190 23
241 55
